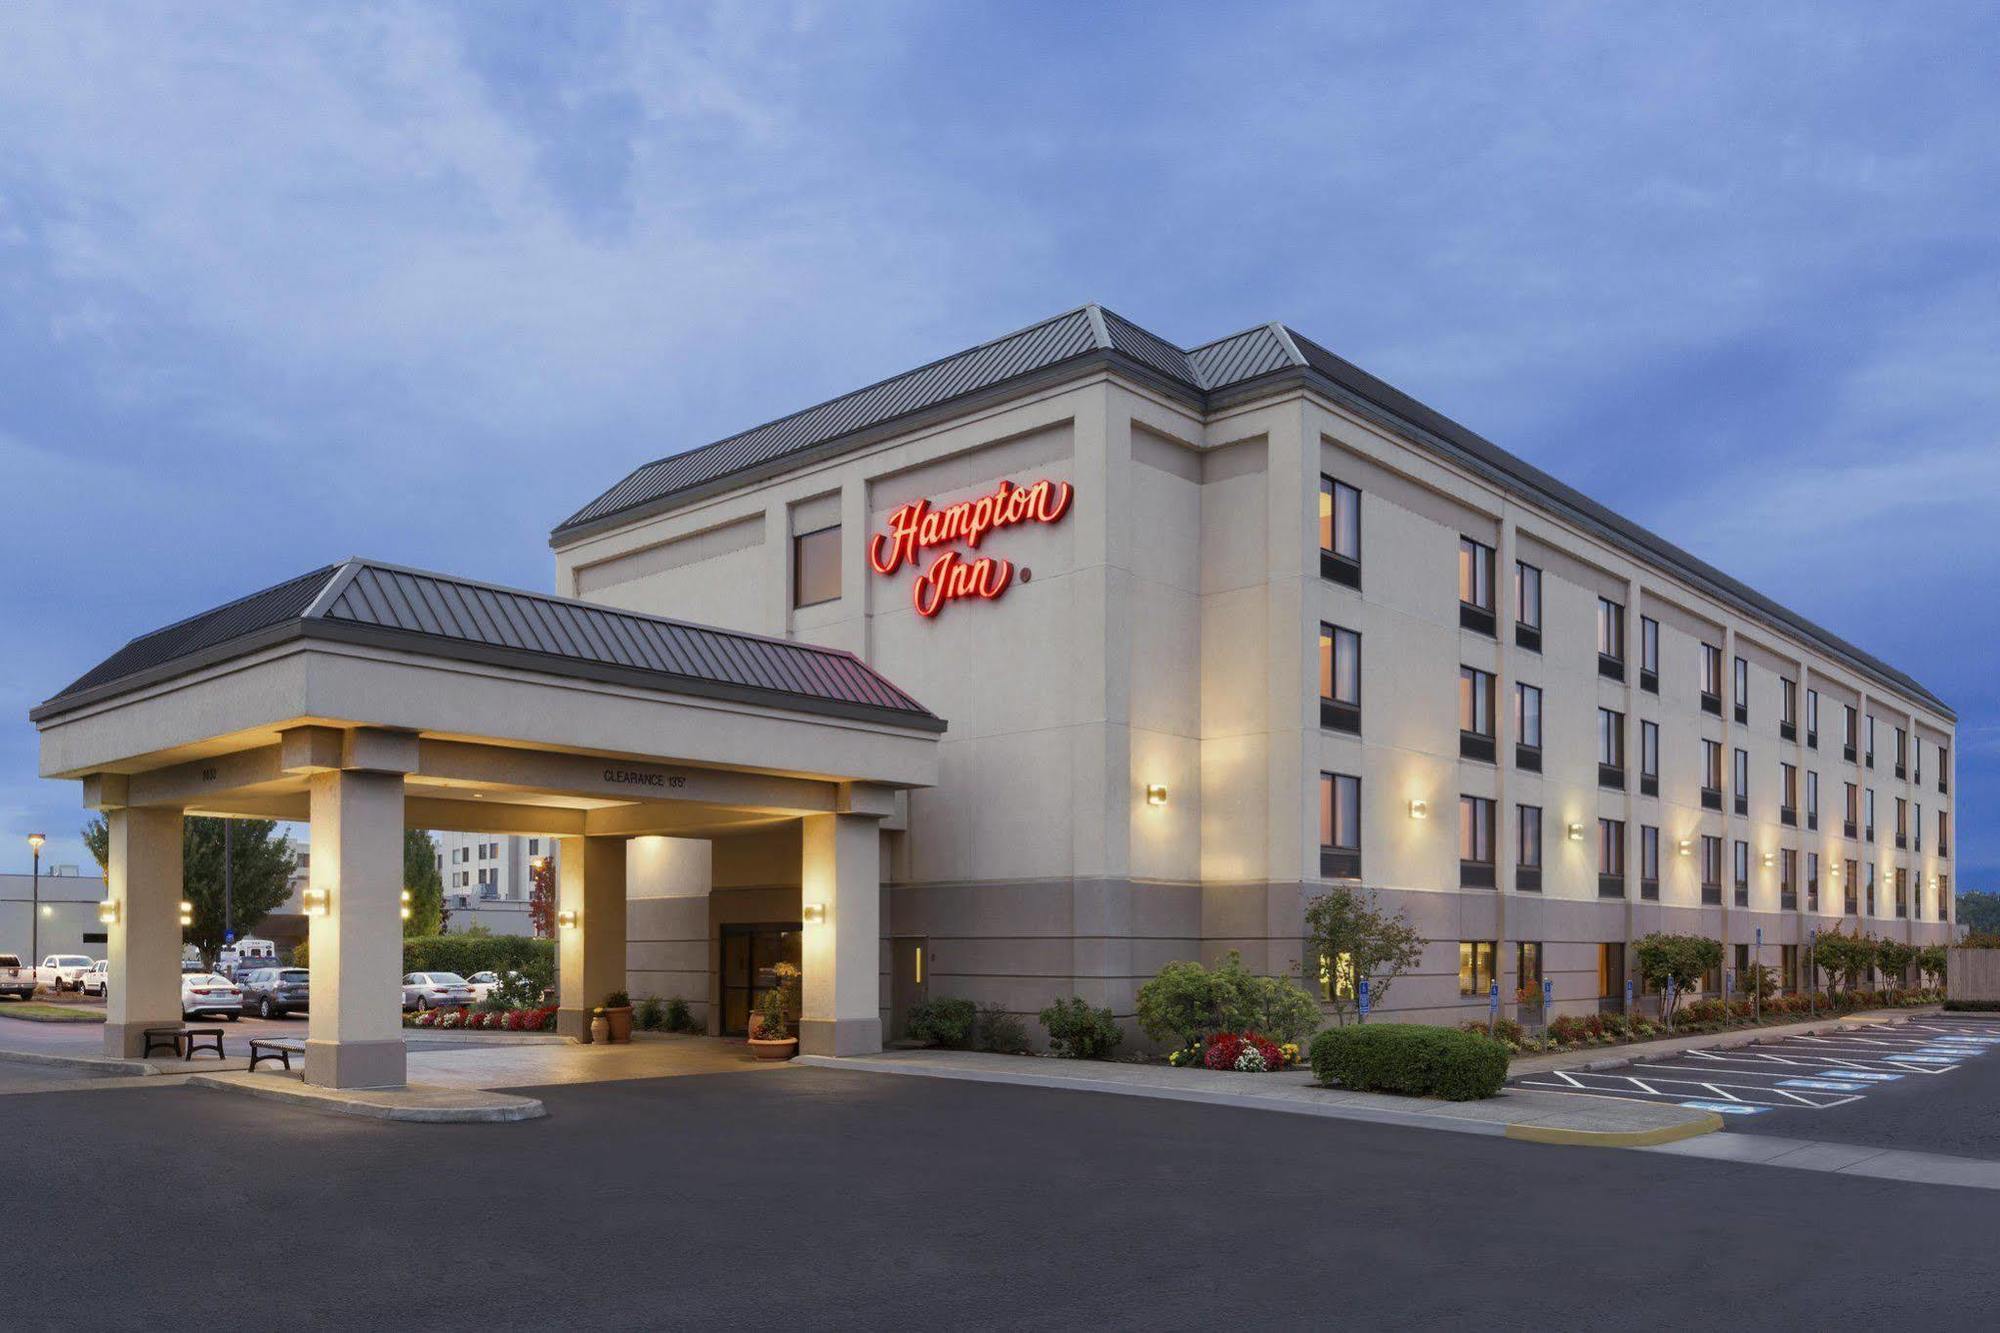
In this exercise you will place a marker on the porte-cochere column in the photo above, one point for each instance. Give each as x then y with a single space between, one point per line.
590 929
143 946
840 886
354 1037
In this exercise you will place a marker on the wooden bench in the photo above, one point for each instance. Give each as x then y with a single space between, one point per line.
185 1041
265 1048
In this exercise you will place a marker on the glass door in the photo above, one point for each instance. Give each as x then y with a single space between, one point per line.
749 955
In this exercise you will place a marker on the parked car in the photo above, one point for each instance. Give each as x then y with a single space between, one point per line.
191 965
207 993
485 983
97 981
15 979
63 971
435 990
271 991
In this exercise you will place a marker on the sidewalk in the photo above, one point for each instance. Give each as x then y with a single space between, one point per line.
1517 1113
1610 1057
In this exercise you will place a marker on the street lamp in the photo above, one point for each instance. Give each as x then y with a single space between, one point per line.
35 841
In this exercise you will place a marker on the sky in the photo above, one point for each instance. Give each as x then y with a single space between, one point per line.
281 284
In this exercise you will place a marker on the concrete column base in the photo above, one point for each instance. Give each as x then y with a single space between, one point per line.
356 1064
127 1041
574 1024
840 1036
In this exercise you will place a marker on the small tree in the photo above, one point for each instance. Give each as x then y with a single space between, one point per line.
1675 964
1350 938
1843 957
423 883
542 897
1894 958
261 861
1931 962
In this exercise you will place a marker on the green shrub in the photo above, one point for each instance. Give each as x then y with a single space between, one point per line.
1411 1059
1186 1003
678 1018
945 1021
999 1029
466 954
1079 1032
1973 1006
650 1016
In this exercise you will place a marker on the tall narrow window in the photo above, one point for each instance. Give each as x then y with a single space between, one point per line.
1339 532
1812 801
1339 826
1475 713
1610 639
1902 822
1868 754
1850 731
1850 887
1528 849
1902 752
1944 834
816 567
1944 770
1649 861
1742 873
1788 709
1740 783
1788 880
1528 726
1527 594
1610 858
1711 868
1870 890
1475 842
1649 654
1475 585
1868 806
1851 820
1788 793
1742 690
1339 679
1610 748
1711 774
1649 758
1812 881
1711 678
1475 967
1812 719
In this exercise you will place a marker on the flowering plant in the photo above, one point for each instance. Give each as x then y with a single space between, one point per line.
1226 1051
451 1018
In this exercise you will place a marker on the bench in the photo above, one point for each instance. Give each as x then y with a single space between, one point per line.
184 1041
264 1048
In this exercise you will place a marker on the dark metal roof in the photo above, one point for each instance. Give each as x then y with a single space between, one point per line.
1092 336
387 605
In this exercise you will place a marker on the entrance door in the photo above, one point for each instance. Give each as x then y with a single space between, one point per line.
912 982
749 953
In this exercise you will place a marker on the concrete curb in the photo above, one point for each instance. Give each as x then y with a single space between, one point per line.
1606 1138
1610 1057
108 1064
417 1104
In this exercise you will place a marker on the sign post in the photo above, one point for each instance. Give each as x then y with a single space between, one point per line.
1812 973
1671 990
1628 997
1492 1008
1757 980
1548 1000
1361 999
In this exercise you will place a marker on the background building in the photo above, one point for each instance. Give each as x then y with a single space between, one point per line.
69 922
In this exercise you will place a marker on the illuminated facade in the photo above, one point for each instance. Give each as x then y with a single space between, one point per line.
1268 625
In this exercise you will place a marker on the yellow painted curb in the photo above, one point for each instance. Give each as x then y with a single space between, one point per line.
1616 1138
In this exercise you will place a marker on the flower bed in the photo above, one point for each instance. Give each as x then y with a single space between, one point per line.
1573 1032
541 1019
1243 1052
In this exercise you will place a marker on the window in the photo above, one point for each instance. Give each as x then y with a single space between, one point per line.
1711 774
1851 820
1788 880
1868 825
1649 861
1711 678
1528 726
816 567
1812 719
1812 800
1740 782
1917 828
1339 826
1527 595
1944 770
1851 885
1742 679
1649 654
1649 758
1812 881
1711 868
1528 972
534 846
1475 585
1475 713
1902 822
1610 971
1339 532
1917 760
1902 891
1339 679
1475 842
1610 858
1742 868
1868 752
1336 982
1871 889
1788 709
1475 967
1849 730
1902 752
1788 794
1610 748
1944 834
1610 639
1528 849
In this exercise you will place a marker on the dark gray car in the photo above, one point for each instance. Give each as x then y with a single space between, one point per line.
271 991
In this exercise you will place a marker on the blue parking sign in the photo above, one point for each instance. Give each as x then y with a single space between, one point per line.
1361 994
1493 998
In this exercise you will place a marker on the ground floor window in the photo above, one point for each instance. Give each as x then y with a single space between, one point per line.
1475 966
749 956
1336 977
1528 971
1610 971
1788 964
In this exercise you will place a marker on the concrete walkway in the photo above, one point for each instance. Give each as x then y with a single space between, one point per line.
1608 1057
1844 1159
1516 1113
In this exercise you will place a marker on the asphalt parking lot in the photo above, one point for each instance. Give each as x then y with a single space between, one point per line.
1929 1085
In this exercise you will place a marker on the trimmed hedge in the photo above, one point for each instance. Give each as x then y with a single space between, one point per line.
1412 1059
466 954
946 1021
1973 1006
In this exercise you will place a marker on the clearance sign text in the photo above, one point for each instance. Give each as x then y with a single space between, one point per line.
951 576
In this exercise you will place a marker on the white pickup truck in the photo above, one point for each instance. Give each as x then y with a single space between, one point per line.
63 971
16 980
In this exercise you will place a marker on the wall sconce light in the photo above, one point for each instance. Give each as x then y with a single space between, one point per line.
813 914
1833 871
566 919
1770 858
107 911
406 904
1156 794
318 902
1576 833
1420 809
1687 846
187 913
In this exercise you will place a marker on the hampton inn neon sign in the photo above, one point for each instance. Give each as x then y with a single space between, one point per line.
950 575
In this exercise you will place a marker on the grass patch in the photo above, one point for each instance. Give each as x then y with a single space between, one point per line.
35 1011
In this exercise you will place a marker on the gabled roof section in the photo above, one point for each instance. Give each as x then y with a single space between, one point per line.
369 602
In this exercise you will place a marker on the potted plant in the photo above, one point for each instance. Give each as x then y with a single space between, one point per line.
771 1034
600 1026
618 1015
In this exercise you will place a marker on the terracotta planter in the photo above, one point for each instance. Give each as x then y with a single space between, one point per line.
621 1023
600 1027
783 1049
